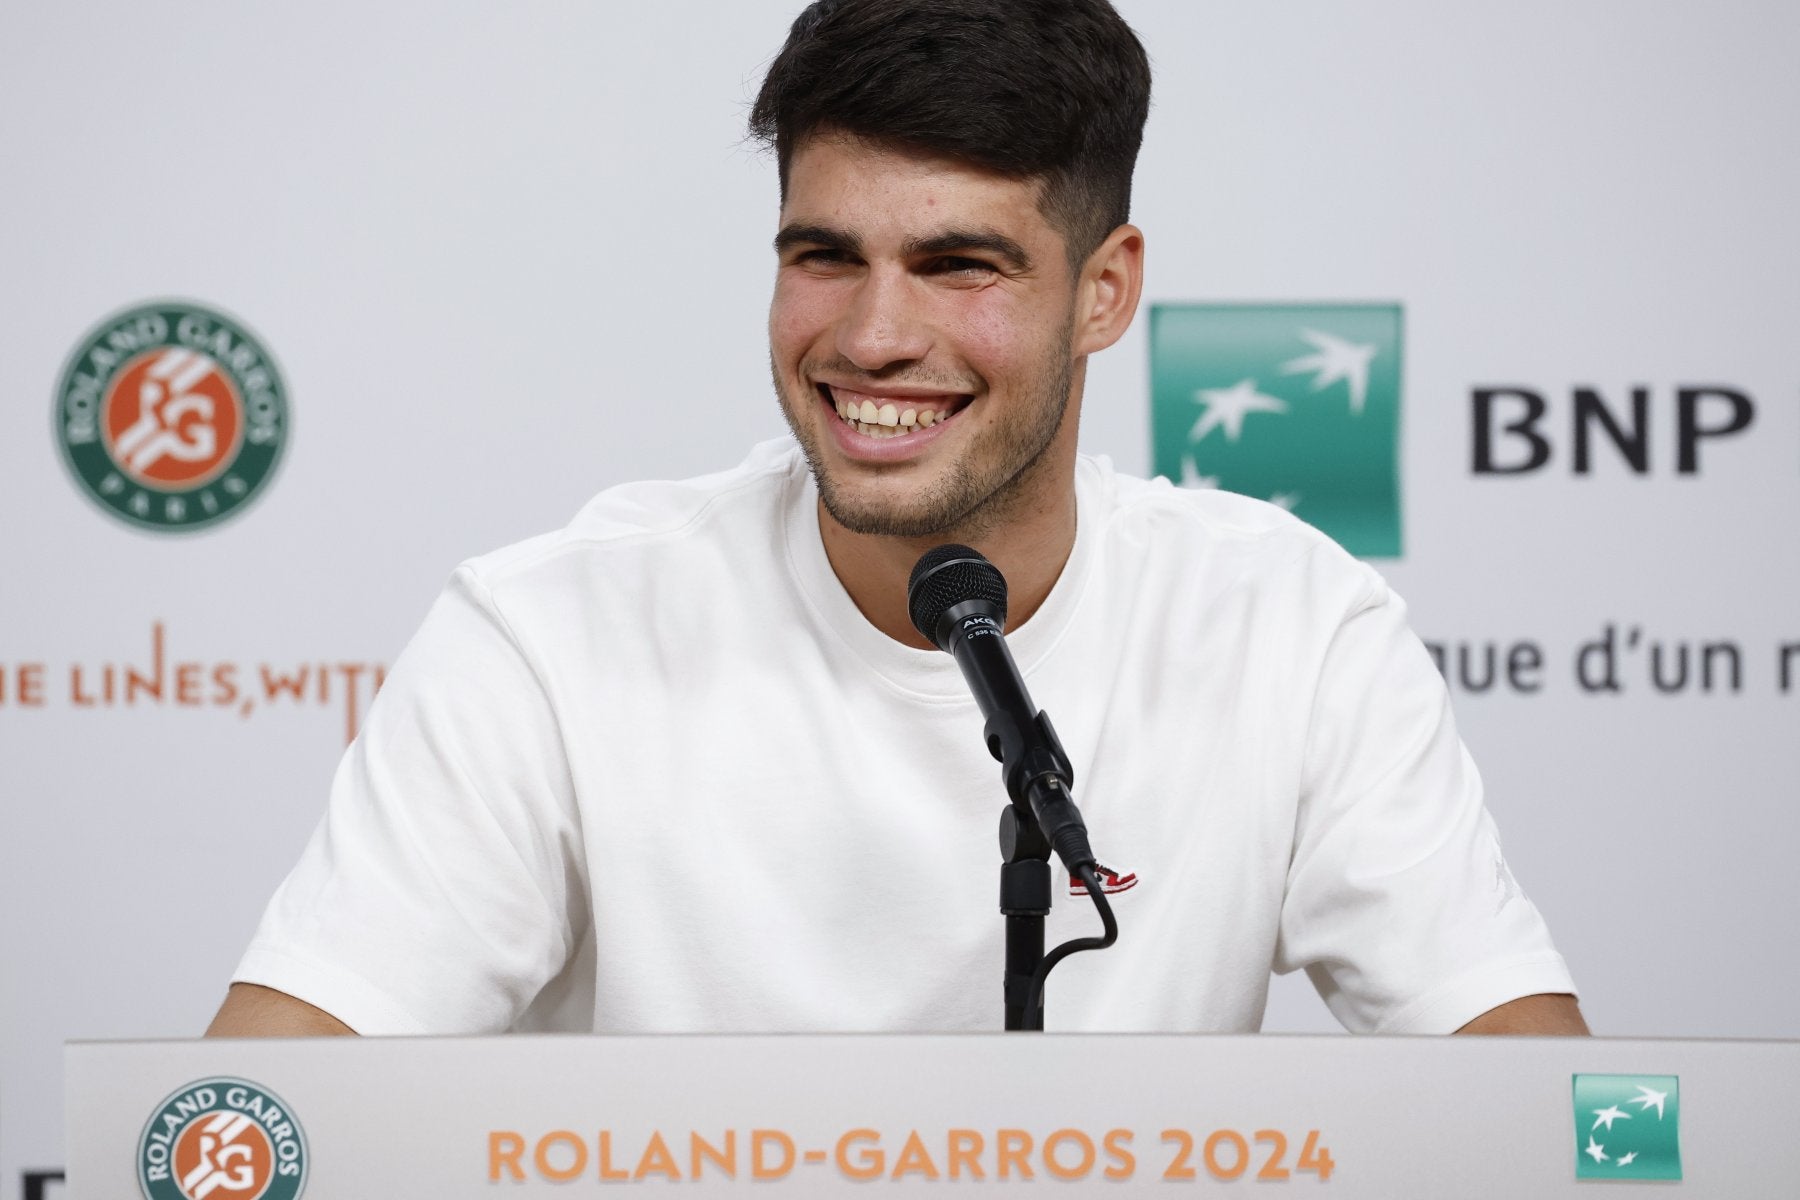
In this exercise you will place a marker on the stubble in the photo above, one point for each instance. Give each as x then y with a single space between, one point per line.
988 484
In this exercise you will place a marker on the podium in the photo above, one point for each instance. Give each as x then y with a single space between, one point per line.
1339 1117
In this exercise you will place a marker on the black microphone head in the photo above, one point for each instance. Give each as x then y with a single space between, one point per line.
946 576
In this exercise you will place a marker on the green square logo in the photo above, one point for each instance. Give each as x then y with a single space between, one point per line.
1298 404
1627 1127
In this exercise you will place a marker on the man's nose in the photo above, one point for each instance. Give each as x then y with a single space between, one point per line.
884 325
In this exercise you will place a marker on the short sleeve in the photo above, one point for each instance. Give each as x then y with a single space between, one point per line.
446 885
1399 903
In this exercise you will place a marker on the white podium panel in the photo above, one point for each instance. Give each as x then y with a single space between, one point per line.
1343 1117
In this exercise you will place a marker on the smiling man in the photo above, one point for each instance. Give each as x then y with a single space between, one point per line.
685 765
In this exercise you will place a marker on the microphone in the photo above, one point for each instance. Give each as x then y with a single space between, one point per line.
957 601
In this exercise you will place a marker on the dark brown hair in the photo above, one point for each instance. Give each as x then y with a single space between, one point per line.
1053 90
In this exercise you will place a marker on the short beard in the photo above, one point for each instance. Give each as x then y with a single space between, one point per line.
968 502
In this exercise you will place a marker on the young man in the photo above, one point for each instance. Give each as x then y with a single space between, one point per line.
686 765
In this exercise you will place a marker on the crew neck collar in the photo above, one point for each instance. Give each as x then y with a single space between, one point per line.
929 674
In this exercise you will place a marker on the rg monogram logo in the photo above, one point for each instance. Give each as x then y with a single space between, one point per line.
225 1151
180 416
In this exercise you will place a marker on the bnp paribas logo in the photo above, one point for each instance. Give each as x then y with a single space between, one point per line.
1627 1127
171 415
1291 403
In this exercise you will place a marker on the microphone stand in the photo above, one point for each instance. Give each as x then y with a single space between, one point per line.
1025 902
957 601
1038 777
1025 878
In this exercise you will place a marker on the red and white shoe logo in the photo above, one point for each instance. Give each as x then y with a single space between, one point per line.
1111 881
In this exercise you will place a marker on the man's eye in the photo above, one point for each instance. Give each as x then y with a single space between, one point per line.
821 256
961 266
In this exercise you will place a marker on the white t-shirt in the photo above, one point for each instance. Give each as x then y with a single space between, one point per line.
657 773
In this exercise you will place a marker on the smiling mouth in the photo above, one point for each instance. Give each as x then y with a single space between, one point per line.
891 416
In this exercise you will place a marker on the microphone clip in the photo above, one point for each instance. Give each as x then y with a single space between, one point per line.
1040 782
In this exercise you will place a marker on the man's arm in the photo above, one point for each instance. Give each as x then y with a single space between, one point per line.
1550 1015
254 1011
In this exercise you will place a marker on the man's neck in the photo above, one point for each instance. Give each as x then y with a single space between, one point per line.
1030 545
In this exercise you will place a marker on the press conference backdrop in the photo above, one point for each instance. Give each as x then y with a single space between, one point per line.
453 268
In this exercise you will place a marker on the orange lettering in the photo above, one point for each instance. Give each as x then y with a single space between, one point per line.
914 1159
1272 1170
1124 1161
657 1161
1179 1169
759 1166
1080 1170
1240 1154
608 1172
152 684
30 685
352 671
699 1149
504 1150
76 692
1314 1157
225 691
275 684
869 1164
541 1156
1012 1151
965 1151
187 684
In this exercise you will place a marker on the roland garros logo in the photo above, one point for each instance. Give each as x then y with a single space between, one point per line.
171 415
222 1139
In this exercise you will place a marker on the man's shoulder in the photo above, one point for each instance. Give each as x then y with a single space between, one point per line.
1158 508
647 516
1203 543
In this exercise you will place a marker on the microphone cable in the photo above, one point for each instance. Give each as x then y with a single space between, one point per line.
1034 995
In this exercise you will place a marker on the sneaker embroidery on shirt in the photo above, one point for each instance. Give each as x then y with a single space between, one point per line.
1111 881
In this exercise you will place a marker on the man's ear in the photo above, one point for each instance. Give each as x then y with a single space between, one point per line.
1106 296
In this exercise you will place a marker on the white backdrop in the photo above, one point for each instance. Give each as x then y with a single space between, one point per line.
508 255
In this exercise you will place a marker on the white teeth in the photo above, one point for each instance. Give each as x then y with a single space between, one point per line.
888 420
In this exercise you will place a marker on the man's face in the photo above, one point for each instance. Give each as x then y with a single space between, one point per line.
919 337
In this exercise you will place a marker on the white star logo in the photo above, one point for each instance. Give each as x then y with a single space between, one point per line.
1650 1099
1336 360
1227 407
1625 1158
1606 1116
1191 476
1595 1150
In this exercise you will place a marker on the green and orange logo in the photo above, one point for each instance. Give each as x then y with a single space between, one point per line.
171 416
222 1139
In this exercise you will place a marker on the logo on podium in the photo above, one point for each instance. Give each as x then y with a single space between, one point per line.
222 1139
171 416
1627 1127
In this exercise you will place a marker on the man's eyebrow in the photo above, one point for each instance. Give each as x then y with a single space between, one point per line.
951 241
954 240
817 235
